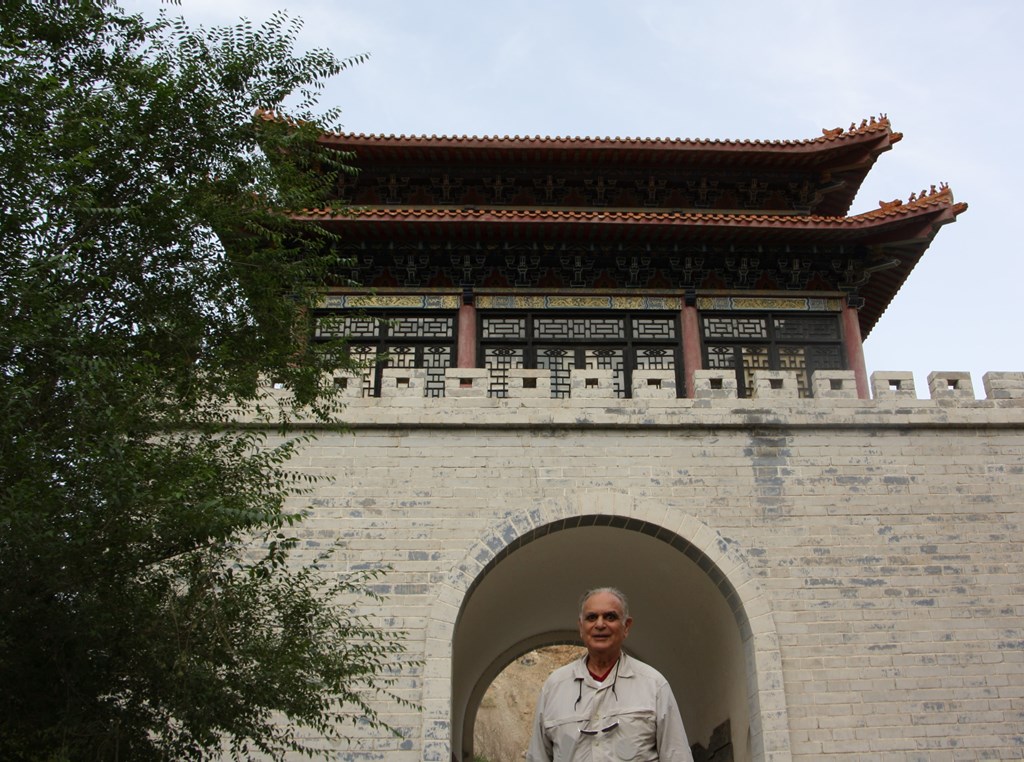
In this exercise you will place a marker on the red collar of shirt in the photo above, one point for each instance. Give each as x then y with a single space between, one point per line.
601 678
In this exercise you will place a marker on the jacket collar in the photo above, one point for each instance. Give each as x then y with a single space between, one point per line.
625 667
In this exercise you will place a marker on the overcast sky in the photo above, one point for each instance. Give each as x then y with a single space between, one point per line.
947 74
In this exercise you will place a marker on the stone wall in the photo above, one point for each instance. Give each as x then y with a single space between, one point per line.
870 550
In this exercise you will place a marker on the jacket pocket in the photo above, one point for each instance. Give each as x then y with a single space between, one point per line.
637 735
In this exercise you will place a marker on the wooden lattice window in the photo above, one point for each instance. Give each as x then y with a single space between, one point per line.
402 339
772 341
559 342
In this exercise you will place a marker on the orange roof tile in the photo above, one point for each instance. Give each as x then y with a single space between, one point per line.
869 126
937 197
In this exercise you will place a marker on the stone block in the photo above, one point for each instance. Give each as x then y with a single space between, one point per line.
654 384
775 384
403 382
714 384
466 382
891 384
834 383
274 390
950 384
1003 386
529 383
592 384
350 385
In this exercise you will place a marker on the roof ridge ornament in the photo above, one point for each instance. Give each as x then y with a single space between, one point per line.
932 193
866 125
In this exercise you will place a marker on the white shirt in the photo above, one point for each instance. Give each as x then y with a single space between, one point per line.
631 715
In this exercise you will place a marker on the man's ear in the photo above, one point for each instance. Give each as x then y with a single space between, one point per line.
628 623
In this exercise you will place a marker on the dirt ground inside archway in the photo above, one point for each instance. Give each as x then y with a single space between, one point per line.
503 722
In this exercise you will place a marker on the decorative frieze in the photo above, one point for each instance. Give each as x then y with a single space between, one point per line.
524 302
751 303
390 301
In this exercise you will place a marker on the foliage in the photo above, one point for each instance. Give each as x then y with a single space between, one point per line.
150 277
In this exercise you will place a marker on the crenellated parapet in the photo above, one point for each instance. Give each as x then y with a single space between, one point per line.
943 386
592 401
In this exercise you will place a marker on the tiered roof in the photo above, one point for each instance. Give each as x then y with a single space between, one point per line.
835 163
397 174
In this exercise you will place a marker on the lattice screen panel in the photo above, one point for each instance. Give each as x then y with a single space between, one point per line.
615 340
745 343
396 340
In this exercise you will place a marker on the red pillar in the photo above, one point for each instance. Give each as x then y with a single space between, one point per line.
855 345
692 359
467 333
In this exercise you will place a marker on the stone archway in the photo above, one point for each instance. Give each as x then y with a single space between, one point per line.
701 618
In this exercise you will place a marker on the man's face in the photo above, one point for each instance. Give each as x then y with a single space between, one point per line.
602 625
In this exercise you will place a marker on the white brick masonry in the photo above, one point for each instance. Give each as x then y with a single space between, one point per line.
834 383
714 384
889 384
466 382
871 548
403 382
775 384
529 383
591 384
1003 385
944 385
654 384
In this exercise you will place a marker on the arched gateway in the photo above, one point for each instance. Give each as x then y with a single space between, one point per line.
702 619
583 356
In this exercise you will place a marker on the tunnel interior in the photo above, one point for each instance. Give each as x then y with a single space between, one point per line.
688 622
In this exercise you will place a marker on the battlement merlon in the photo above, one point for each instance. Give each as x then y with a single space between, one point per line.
775 403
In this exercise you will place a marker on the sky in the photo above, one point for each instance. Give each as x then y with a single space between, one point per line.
946 73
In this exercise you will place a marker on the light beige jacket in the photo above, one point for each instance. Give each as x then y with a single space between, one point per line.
632 715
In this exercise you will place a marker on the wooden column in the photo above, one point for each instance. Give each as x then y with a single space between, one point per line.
854 345
692 359
467 332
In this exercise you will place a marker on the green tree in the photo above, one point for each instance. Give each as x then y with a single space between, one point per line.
150 277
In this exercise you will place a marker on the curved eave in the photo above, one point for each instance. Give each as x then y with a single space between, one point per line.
889 241
905 244
591 225
845 156
420 145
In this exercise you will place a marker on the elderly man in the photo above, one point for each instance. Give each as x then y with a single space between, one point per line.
607 705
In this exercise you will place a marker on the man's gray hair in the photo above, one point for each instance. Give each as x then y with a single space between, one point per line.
611 591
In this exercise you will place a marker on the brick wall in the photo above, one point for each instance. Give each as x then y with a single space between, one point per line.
874 546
